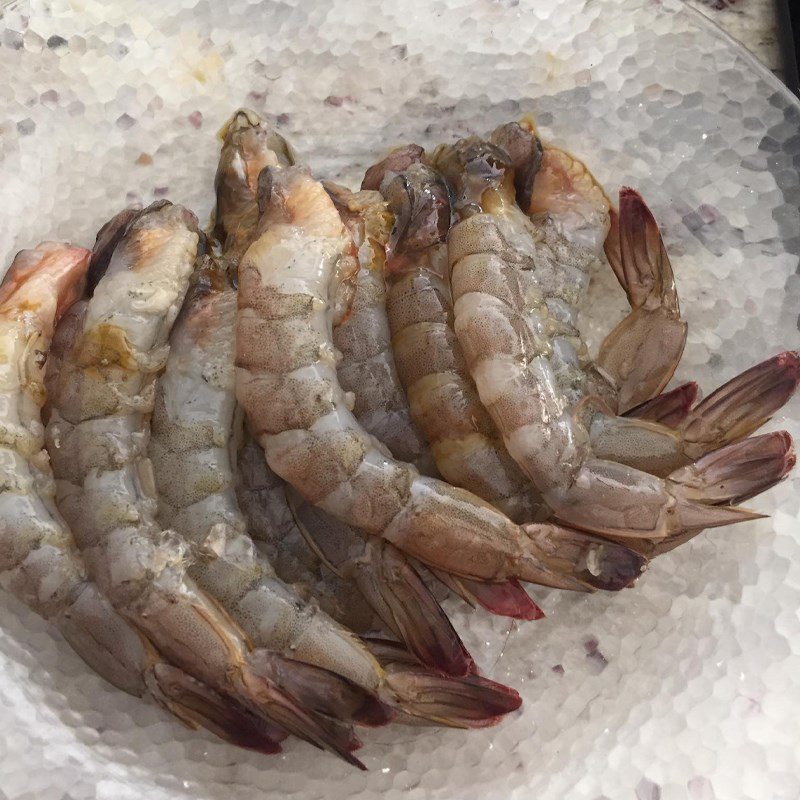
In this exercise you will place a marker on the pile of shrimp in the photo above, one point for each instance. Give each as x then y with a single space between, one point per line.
243 466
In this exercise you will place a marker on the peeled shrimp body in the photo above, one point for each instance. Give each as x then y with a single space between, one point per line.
520 343
289 295
39 561
114 344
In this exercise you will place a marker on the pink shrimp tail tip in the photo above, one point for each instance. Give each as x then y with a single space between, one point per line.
507 599
790 456
628 192
790 361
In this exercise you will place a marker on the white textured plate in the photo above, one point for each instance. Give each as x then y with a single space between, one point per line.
687 686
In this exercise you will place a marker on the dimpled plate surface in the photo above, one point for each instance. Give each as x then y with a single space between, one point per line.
686 686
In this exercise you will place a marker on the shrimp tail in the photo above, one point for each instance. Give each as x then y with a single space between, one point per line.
641 352
292 715
197 705
613 499
470 701
739 471
467 702
697 515
107 643
596 562
506 599
729 475
325 692
397 592
389 584
727 415
668 408
744 403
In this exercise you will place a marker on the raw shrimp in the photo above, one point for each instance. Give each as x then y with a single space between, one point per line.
389 584
575 221
443 399
113 346
191 453
423 694
367 366
519 343
39 561
469 450
463 701
444 402
289 297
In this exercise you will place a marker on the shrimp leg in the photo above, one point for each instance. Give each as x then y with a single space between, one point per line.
512 346
289 282
97 438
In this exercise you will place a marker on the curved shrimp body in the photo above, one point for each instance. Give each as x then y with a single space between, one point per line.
115 344
286 382
367 366
38 558
575 222
191 454
389 584
513 343
39 561
443 400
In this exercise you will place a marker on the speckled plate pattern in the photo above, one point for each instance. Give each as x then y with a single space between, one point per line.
687 686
